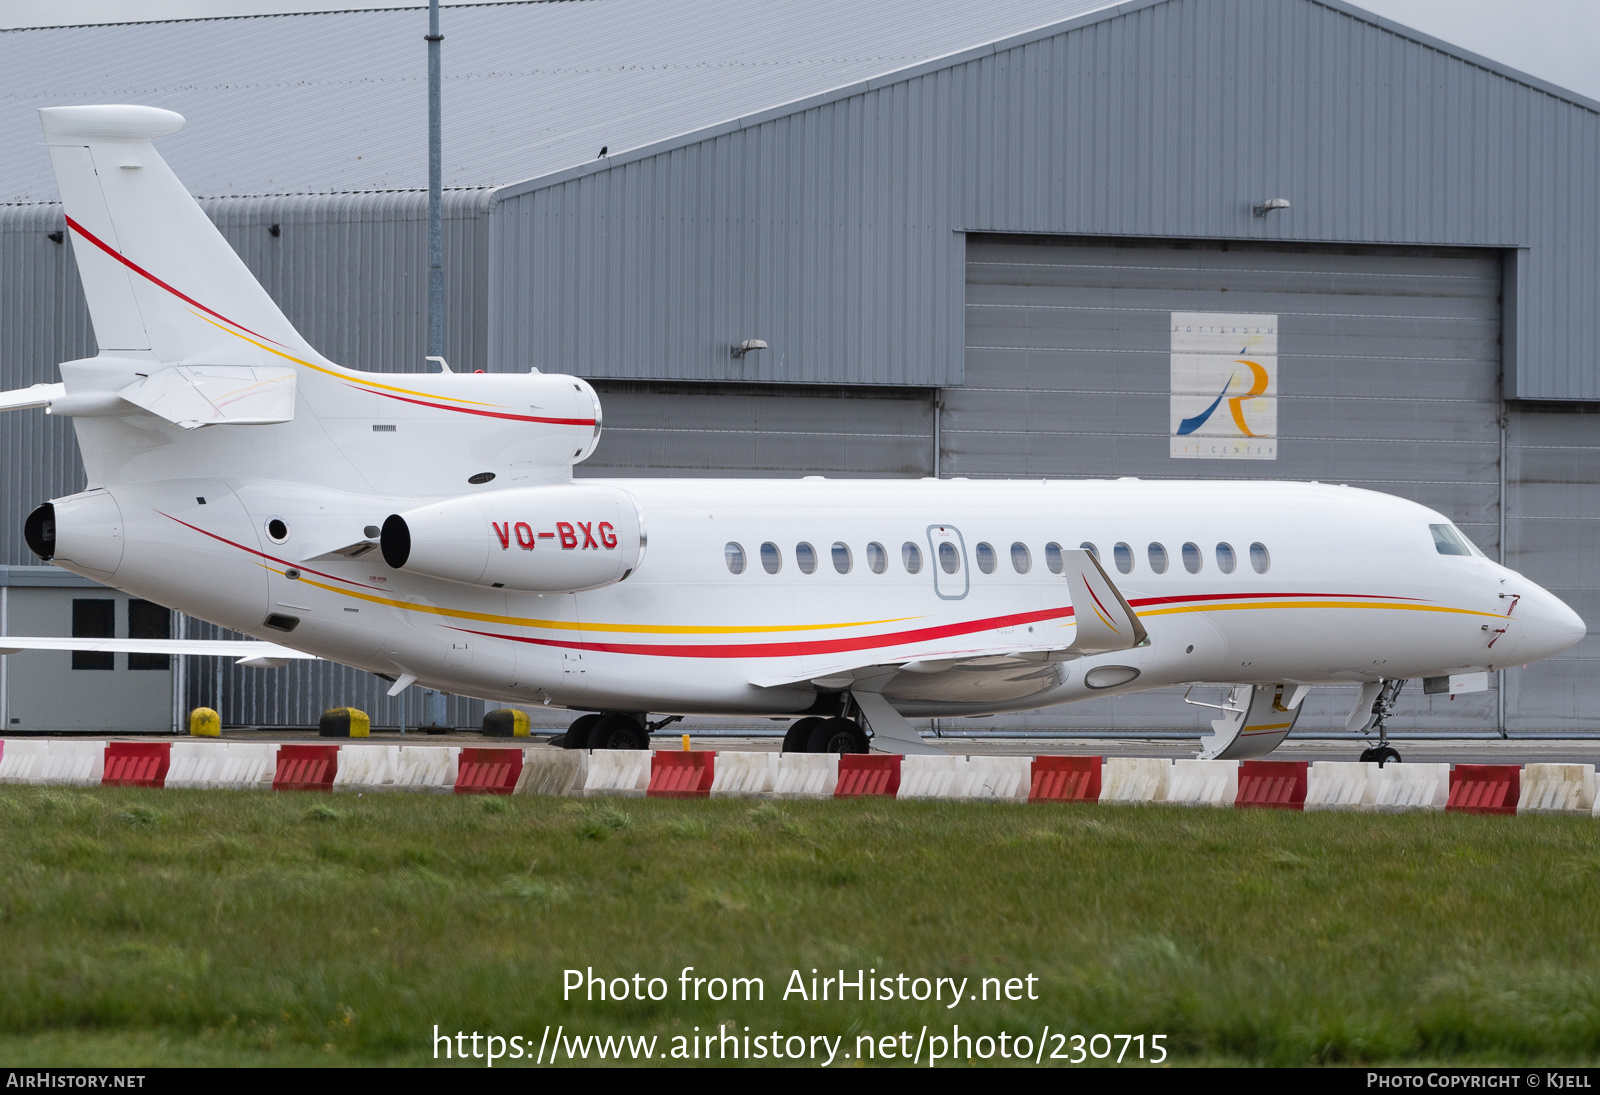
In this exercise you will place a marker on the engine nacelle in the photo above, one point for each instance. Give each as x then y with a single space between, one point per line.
552 539
82 532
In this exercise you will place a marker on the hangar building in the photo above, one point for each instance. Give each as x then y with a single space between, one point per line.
974 238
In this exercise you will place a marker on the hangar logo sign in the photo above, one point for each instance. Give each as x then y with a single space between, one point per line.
1224 386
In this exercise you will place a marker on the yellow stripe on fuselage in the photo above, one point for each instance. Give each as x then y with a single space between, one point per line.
340 375
571 625
1315 604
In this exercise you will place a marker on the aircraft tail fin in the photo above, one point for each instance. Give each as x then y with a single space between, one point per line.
159 277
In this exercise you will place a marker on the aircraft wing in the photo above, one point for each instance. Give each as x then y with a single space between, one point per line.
1104 623
249 652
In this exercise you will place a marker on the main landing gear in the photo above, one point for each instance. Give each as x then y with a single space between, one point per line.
1382 707
611 730
819 735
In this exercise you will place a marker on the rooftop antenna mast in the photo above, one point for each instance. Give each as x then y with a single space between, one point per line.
435 194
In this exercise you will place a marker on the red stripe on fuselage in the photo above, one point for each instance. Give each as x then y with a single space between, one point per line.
784 650
486 414
152 279
273 558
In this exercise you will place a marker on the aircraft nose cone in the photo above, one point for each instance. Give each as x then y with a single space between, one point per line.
1549 626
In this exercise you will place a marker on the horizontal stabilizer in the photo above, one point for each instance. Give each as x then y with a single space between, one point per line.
40 395
190 396
248 651
208 395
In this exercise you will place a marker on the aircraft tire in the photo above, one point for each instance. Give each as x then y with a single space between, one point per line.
577 735
617 731
1381 754
837 736
799 733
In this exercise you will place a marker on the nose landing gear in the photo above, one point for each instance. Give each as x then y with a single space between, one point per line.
1382 707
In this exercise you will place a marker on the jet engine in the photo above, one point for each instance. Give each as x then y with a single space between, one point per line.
550 539
82 532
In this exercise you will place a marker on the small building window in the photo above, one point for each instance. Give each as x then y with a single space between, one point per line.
841 557
1091 549
771 558
1021 558
1053 558
805 557
877 558
1226 560
1158 558
93 618
1259 558
911 557
950 558
1192 559
148 620
1123 554
733 555
985 555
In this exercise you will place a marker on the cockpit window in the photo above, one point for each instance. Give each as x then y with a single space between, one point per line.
1448 540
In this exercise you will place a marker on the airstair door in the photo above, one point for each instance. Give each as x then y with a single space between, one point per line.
947 557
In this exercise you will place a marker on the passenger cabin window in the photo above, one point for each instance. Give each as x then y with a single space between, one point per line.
1448 540
1158 558
985 555
1021 558
841 557
1260 559
1091 549
877 558
148 620
805 557
950 558
733 555
771 558
93 618
1226 560
911 557
1124 557
1053 558
1191 558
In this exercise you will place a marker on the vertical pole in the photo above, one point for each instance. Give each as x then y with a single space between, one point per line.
180 673
435 190
1500 682
938 439
5 662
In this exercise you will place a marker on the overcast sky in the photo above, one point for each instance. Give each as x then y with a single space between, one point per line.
1557 40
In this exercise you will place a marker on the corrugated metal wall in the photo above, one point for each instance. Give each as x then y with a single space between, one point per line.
828 229
657 429
1388 378
1553 536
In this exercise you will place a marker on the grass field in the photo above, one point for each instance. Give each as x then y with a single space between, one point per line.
151 927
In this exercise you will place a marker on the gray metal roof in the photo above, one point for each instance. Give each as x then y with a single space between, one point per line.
336 101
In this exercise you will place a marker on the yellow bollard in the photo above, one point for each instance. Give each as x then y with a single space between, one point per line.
506 722
205 723
686 743
344 722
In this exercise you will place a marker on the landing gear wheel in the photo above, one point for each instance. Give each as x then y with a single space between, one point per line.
794 741
837 736
618 732
1380 755
577 735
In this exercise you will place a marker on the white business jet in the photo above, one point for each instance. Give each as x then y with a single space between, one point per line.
427 528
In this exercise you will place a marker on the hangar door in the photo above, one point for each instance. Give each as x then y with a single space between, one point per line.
1388 366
